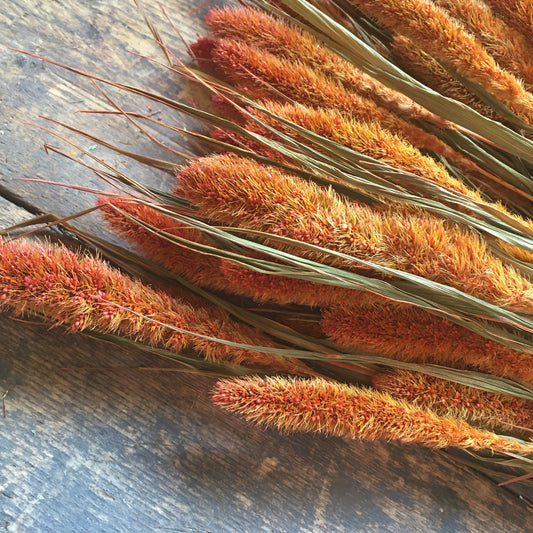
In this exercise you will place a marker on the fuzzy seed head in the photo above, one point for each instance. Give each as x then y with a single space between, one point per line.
243 193
477 407
336 409
84 293
411 334
431 28
280 38
267 76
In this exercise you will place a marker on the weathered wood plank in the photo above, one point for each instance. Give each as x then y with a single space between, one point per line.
96 36
11 214
126 449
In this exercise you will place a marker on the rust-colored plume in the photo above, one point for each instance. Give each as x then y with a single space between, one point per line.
336 409
281 290
264 75
411 334
243 193
366 138
281 38
209 271
508 47
477 407
201 269
84 293
430 27
517 13
429 71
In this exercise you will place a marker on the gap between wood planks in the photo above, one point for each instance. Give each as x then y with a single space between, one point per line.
18 201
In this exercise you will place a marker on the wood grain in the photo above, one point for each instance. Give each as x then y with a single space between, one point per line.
93 442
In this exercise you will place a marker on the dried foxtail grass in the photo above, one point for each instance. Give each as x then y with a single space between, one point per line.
243 193
342 410
425 68
125 218
83 293
517 13
120 214
432 29
282 290
479 408
279 37
410 334
508 47
264 75
368 139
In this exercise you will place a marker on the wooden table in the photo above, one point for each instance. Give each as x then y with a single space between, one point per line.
90 441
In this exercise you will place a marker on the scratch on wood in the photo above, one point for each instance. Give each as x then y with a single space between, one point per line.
322 501
4 402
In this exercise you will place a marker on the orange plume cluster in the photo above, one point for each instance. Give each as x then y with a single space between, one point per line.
243 193
265 75
477 407
429 71
430 27
83 293
508 47
196 267
278 37
517 13
370 140
367 138
336 409
208 271
411 334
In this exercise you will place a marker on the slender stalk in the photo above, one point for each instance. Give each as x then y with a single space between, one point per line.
343 410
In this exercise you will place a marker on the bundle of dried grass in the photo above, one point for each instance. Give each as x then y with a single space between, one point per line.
343 186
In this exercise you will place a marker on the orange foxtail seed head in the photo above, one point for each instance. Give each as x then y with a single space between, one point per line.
508 47
411 334
84 293
428 70
241 192
281 38
517 13
198 268
265 75
328 407
480 408
431 28
209 271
